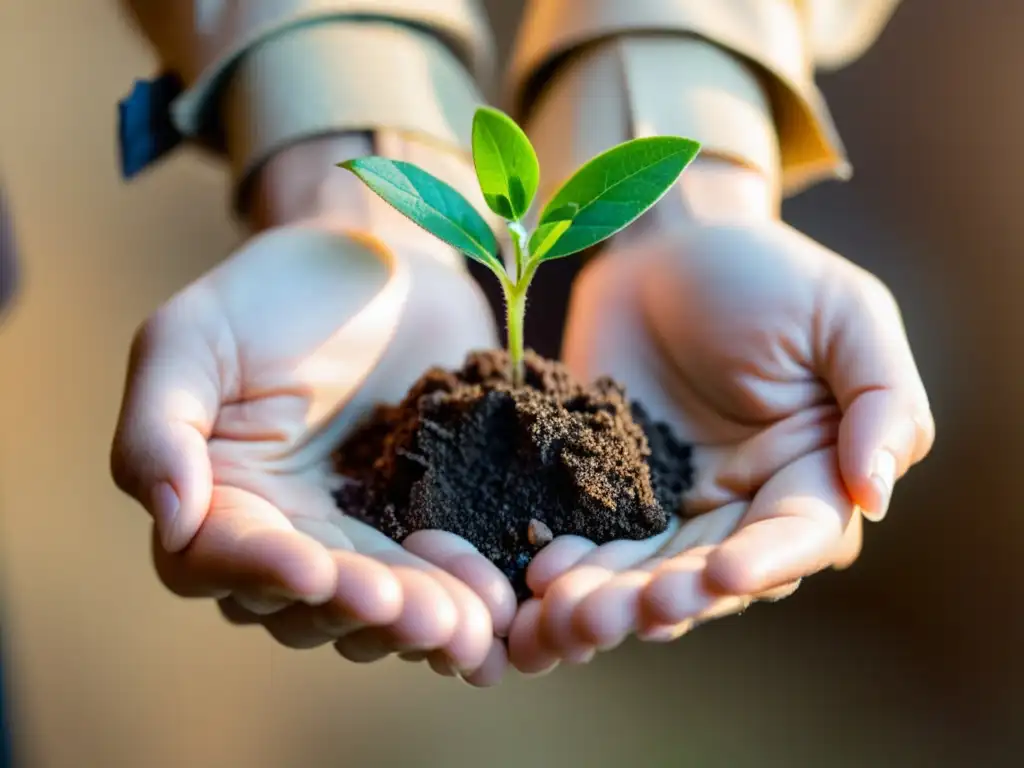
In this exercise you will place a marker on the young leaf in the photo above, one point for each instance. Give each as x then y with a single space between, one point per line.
432 204
566 213
506 164
614 189
545 236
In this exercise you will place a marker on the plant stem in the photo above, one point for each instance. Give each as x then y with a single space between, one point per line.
515 300
515 308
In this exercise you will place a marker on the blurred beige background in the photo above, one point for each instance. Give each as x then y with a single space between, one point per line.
910 659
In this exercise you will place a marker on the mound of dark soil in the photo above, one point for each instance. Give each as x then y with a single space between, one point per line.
508 468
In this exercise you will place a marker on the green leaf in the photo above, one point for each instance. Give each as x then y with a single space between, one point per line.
565 213
614 189
432 204
545 236
500 205
505 161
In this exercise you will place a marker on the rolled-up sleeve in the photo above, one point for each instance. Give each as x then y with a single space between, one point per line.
259 75
783 41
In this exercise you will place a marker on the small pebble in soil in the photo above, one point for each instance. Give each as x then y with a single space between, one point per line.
538 534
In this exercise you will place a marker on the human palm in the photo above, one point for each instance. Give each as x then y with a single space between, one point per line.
788 369
240 389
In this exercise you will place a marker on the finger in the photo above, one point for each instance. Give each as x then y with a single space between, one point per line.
731 472
555 623
680 599
294 627
606 617
235 614
612 611
526 652
616 609
705 530
366 646
368 593
666 633
172 392
887 424
676 592
415 656
246 546
429 617
649 630
594 569
439 662
262 605
792 529
462 560
720 607
880 438
554 560
851 543
491 672
779 593
621 554
473 633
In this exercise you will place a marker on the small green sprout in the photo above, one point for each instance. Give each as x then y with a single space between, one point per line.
602 198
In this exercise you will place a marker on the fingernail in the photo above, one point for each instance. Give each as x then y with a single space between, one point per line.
580 656
260 603
666 634
541 673
727 606
883 475
337 627
414 656
164 506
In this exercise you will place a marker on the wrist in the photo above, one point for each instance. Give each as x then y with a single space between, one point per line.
302 181
717 190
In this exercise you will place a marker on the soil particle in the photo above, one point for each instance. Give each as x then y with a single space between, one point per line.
510 468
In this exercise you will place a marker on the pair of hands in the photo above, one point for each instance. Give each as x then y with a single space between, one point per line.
787 367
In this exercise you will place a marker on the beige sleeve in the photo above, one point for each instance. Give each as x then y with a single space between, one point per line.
841 31
737 75
260 75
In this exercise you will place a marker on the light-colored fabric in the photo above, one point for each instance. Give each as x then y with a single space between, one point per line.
202 39
319 66
784 40
600 100
840 31
345 76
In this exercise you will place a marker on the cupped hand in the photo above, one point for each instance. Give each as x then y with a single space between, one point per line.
789 370
238 390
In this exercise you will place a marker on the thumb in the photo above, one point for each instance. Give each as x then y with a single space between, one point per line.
159 454
887 424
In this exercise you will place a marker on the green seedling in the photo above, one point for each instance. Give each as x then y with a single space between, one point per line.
603 197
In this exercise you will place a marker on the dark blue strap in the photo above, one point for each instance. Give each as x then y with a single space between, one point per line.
145 130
